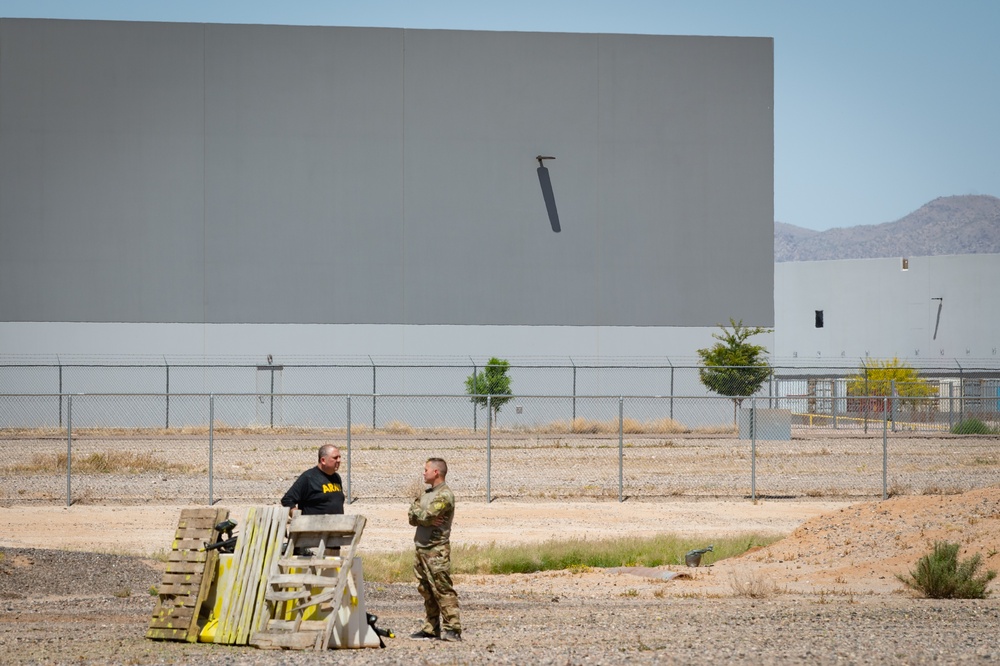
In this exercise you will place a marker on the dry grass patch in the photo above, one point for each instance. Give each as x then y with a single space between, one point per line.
896 489
943 490
752 584
582 426
191 431
398 428
104 462
715 430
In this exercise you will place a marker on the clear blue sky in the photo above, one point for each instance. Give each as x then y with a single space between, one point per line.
880 105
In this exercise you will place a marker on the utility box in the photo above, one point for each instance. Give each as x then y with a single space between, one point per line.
773 424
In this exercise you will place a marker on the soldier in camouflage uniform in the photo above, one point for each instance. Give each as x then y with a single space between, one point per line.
432 514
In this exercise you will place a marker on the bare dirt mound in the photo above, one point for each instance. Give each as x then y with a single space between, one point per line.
861 548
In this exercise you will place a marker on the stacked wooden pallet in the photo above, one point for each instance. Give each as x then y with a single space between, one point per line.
302 596
257 546
188 577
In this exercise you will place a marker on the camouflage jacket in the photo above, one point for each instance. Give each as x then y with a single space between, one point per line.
435 503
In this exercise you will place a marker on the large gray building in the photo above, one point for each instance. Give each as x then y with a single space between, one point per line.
210 189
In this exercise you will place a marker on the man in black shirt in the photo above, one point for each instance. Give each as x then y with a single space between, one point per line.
318 490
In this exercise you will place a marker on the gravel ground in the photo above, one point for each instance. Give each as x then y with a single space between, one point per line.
509 620
826 593
260 468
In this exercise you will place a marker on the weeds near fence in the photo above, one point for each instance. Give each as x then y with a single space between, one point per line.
939 575
943 490
571 555
578 426
190 431
973 427
106 462
398 428
582 426
715 430
897 488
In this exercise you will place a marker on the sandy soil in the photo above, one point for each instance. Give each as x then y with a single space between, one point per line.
826 593
836 546
144 530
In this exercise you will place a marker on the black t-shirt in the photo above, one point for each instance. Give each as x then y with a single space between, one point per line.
316 493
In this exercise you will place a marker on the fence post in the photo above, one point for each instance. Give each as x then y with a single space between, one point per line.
489 436
961 393
349 494
373 390
211 449
770 389
885 449
167 366
272 397
833 401
951 404
621 449
475 391
574 391
892 402
60 393
671 389
753 449
868 398
69 450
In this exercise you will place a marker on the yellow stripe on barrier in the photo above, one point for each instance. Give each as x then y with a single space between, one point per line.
907 425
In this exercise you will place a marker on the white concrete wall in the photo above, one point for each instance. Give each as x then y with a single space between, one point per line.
282 341
873 308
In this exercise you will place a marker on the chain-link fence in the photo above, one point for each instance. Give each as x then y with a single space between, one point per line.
250 447
831 393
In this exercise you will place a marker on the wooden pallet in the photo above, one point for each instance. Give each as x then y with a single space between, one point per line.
243 602
300 586
188 576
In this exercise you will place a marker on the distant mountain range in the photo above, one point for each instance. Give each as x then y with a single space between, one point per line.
948 225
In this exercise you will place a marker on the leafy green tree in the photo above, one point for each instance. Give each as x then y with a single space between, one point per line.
492 381
732 366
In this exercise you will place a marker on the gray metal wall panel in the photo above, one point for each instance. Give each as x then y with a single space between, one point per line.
479 246
304 186
686 182
101 183
267 174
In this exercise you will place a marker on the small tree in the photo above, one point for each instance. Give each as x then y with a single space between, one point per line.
878 378
493 382
733 367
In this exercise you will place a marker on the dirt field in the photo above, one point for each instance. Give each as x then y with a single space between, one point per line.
155 469
826 593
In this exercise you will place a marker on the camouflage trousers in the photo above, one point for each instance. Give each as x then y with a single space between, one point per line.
432 567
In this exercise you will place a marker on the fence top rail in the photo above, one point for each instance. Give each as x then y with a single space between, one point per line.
780 372
467 363
469 397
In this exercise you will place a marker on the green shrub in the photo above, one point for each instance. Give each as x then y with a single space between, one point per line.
939 575
972 427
